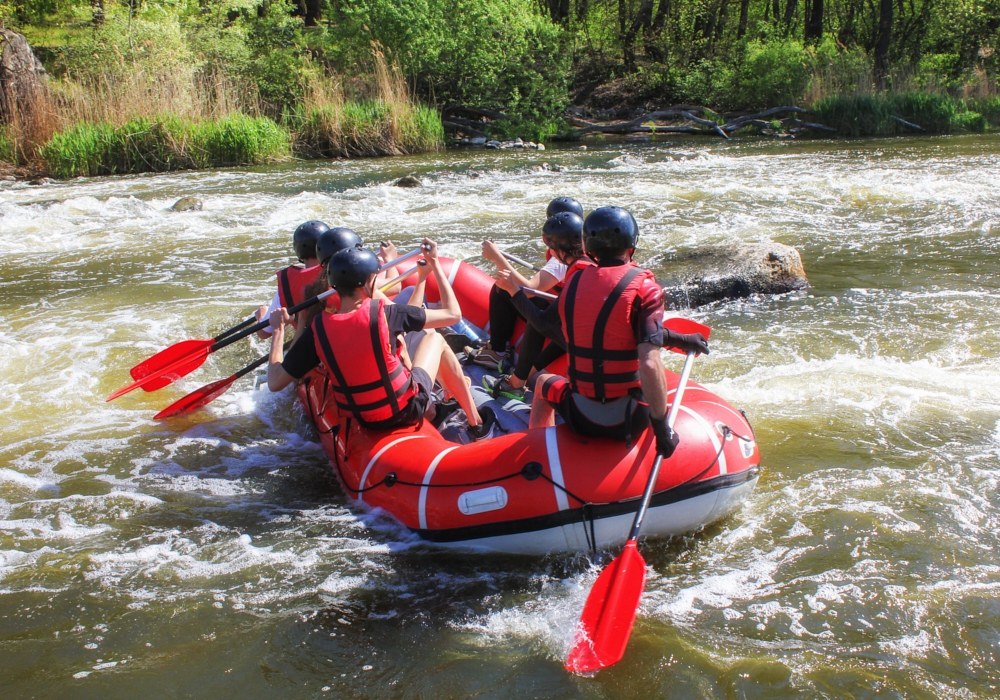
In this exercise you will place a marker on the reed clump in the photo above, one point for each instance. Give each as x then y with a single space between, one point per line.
381 120
892 113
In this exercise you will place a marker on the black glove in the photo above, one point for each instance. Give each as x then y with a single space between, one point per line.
688 342
666 439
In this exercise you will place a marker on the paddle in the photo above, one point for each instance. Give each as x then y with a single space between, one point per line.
519 261
208 393
541 295
607 619
403 276
169 365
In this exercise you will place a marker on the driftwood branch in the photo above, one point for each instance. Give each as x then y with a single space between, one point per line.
463 125
706 122
478 111
647 123
909 124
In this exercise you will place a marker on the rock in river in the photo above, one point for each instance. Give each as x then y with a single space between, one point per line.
408 181
734 270
187 204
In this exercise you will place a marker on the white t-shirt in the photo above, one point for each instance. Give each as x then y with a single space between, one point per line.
275 305
555 268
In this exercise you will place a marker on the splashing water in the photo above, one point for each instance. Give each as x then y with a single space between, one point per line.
218 549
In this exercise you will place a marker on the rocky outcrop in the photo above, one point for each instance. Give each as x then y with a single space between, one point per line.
733 270
21 77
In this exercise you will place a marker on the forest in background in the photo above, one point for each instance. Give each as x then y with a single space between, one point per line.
158 84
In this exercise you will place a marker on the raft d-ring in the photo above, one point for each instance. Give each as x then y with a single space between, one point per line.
724 430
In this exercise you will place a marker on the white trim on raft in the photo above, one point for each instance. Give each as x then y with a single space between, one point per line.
555 465
422 505
453 273
710 431
373 460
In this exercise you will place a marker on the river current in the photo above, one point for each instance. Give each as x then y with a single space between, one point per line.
216 555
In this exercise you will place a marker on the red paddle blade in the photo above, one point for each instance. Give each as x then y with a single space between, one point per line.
197 398
164 358
685 325
183 364
606 623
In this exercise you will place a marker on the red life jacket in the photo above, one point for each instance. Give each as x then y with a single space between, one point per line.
580 264
293 281
368 380
603 354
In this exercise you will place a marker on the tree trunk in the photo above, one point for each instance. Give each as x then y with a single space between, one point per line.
882 43
790 8
814 22
97 6
312 13
744 12
627 38
720 23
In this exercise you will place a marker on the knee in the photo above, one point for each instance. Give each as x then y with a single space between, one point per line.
434 341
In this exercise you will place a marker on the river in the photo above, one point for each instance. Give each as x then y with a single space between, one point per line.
216 556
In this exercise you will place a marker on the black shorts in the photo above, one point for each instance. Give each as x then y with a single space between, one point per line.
414 411
619 419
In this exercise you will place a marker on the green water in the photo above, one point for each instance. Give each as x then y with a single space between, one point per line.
216 556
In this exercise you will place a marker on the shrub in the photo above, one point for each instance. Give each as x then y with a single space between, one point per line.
499 54
969 121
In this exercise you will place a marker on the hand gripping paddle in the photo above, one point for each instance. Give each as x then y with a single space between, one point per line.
606 623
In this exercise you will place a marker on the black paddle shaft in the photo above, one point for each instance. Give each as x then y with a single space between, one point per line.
234 329
219 344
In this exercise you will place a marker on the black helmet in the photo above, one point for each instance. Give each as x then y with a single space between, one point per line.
564 231
334 239
564 204
305 237
350 268
610 227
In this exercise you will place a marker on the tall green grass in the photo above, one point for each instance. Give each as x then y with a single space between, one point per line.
166 143
878 114
366 128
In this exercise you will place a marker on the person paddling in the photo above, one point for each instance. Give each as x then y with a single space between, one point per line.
293 281
563 235
611 317
497 354
358 344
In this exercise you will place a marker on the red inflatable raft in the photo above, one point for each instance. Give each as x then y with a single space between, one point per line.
544 490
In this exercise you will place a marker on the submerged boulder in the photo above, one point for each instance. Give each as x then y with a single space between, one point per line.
187 204
408 181
734 270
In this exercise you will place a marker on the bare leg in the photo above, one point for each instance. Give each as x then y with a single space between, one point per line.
450 374
428 354
543 414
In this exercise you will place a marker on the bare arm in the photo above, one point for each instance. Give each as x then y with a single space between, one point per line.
417 296
277 377
654 384
542 281
450 312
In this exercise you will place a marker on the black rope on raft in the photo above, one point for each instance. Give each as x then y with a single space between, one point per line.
532 471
